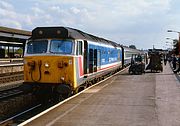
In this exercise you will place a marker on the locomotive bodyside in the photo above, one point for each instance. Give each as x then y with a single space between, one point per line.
65 60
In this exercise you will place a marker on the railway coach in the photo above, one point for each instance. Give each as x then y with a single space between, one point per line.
61 61
129 55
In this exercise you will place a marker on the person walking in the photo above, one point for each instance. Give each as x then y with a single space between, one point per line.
165 60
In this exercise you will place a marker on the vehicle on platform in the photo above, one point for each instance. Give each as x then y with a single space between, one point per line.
61 61
137 64
155 63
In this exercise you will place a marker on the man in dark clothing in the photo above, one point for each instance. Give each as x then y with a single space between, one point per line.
174 62
165 61
178 69
139 58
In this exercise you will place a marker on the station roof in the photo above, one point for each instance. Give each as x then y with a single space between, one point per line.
13 36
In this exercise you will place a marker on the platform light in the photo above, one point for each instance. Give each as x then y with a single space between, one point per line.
169 31
15 43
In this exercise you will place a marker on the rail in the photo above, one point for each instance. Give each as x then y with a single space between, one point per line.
9 93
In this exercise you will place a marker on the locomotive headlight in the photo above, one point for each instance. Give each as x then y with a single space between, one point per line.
62 78
47 65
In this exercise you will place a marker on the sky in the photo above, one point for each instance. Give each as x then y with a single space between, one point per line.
143 23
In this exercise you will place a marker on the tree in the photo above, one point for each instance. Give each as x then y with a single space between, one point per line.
132 46
176 46
19 51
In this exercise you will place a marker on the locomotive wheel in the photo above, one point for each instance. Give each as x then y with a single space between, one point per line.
62 92
58 97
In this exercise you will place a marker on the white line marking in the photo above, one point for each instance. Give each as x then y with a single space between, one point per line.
55 106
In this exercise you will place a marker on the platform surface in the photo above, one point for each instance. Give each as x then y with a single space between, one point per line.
151 99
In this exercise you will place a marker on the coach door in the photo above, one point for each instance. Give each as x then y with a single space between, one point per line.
91 60
95 60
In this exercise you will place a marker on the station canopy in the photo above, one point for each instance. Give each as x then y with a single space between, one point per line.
13 37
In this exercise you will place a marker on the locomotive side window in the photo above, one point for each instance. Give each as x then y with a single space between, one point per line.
61 46
37 46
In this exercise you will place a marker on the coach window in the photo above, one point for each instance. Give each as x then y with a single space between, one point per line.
79 48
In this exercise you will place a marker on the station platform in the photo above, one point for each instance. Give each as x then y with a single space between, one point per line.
11 61
151 99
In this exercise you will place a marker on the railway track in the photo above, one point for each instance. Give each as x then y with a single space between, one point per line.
25 114
10 93
11 78
18 118
11 68
10 82
15 103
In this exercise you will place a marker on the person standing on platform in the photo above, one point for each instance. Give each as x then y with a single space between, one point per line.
174 61
165 59
178 69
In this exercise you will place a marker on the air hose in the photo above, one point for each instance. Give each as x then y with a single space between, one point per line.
39 69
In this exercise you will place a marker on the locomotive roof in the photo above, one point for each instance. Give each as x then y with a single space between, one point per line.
66 32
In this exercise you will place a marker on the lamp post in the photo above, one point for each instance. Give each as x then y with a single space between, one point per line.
170 39
176 32
178 38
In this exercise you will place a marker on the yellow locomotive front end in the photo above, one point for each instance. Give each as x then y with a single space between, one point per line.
49 69
50 63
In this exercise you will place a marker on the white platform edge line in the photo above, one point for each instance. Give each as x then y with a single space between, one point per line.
53 107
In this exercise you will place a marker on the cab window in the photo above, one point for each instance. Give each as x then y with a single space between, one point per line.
61 46
37 46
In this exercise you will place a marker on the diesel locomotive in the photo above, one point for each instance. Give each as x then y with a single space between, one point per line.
62 61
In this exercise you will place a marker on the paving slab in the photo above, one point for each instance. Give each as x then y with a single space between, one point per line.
168 98
151 99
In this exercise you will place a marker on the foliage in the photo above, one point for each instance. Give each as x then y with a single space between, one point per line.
132 46
19 51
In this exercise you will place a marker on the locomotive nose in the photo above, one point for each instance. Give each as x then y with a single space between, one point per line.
49 69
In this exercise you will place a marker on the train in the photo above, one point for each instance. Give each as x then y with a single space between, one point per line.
62 61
